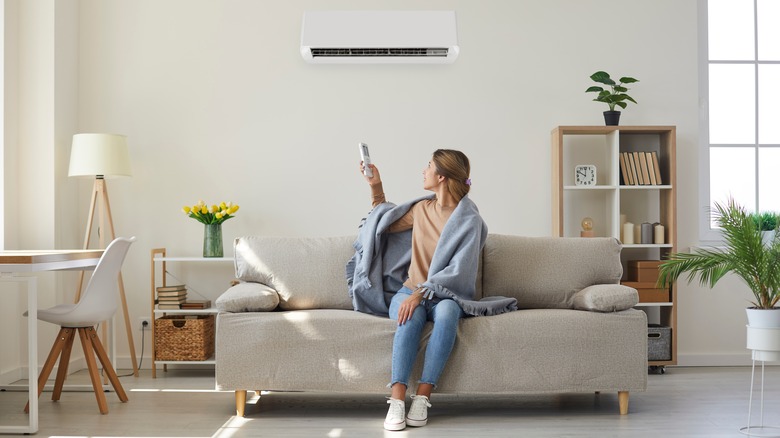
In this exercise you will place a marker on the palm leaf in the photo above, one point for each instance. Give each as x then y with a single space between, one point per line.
744 254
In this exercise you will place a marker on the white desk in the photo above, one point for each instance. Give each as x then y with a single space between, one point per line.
13 263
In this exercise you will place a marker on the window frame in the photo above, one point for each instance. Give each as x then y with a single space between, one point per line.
706 233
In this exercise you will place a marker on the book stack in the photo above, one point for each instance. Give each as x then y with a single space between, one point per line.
640 169
196 304
171 297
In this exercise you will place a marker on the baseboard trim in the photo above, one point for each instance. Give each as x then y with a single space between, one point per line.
716 360
8 377
21 373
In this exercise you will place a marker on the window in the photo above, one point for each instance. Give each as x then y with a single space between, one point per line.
740 83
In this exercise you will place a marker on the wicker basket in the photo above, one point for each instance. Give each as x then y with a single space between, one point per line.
179 337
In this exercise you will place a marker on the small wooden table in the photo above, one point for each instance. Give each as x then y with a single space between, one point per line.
13 263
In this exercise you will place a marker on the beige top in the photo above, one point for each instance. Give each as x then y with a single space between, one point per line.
426 219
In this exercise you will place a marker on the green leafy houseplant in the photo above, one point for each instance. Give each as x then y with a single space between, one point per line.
743 254
616 94
766 221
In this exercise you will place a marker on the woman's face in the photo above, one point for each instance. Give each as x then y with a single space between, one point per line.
430 177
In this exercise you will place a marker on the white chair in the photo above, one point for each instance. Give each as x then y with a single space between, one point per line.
97 303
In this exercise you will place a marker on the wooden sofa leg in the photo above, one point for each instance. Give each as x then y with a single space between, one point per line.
240 402
623 402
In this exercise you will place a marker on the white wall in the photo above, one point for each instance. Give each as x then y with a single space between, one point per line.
218 105
41 65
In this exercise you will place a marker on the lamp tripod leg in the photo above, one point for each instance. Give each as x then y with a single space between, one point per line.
100 195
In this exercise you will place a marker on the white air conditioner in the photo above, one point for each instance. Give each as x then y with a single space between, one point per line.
422 37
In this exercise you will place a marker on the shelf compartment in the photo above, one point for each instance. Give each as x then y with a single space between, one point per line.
599 205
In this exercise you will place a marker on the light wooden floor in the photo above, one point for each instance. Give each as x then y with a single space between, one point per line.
684 402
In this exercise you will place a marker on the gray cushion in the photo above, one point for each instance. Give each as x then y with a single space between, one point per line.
606 298
546 272
248 297
306 272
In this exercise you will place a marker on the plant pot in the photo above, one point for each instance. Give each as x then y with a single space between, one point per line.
767 236
765 343
763 334
763 318
612 118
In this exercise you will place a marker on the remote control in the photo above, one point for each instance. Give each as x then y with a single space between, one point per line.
366 160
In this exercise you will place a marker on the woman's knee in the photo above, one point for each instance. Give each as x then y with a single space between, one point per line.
447 309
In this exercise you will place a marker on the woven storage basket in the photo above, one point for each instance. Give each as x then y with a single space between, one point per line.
184 338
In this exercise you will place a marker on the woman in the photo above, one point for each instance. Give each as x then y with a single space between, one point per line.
440 282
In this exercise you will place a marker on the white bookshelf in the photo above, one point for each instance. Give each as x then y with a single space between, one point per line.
610 197
159 261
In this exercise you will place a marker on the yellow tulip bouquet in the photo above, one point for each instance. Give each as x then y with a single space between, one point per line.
214 215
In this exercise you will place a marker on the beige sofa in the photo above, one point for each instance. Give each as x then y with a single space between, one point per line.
289 324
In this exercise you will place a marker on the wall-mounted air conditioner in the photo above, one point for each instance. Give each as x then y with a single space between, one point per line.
423 37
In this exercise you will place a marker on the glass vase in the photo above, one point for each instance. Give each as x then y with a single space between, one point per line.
212 240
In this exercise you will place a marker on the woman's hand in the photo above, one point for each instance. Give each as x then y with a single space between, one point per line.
375 179
407 308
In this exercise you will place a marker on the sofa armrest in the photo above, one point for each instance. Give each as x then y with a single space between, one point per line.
248 297
606 298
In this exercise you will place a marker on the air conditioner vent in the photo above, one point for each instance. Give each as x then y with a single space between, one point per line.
370 52
379 37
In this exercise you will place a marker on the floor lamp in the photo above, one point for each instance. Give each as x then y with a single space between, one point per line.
100 156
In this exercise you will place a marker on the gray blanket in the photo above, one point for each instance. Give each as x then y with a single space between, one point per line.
381 261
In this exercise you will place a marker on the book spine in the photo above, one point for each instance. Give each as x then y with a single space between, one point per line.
657 168
634 165
650 168
643 165
623 172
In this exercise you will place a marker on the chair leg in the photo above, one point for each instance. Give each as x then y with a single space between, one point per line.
62 372
48 366
101 354
94 375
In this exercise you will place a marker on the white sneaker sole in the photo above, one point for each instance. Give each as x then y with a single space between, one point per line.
395 427
416 423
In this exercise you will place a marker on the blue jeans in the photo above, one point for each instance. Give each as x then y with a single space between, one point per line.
445 316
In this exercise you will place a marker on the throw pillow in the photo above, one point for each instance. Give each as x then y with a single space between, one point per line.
606 298
248 297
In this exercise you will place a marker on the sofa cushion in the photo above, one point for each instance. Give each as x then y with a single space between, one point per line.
248 297
546 272
606 298
307 273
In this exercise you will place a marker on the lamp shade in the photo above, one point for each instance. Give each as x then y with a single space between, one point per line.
99 155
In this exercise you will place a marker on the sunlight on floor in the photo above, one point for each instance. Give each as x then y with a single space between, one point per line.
176 390
231 427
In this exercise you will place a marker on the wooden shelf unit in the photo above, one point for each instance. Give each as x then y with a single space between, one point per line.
609 198
159 255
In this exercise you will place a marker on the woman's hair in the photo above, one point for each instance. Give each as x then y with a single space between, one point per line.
453 165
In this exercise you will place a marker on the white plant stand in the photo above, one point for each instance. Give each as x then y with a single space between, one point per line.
765 343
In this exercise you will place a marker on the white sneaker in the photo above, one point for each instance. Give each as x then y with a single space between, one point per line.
418 413
395 419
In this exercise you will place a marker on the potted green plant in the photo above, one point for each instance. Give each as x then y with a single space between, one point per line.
743 253
614 96
767 222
